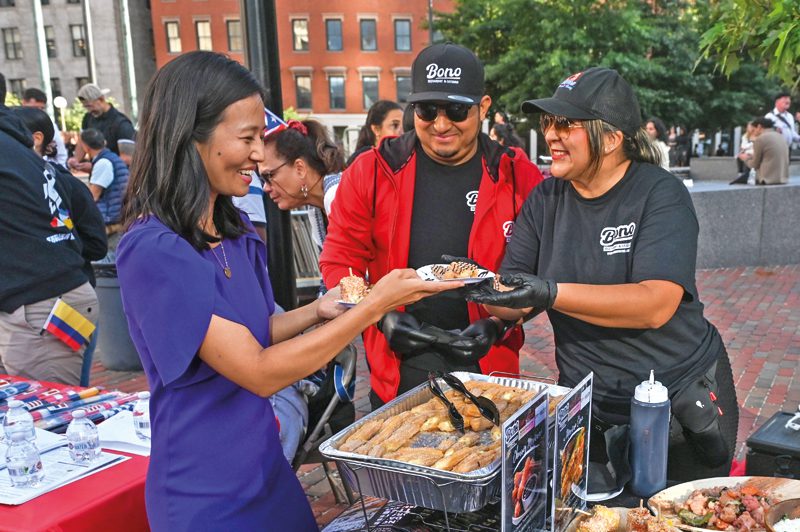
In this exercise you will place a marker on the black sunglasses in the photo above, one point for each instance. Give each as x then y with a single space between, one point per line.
455 112
266 176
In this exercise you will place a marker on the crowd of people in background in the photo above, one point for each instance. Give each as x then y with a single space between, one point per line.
183 204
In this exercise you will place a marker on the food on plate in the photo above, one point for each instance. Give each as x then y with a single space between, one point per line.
603 519
572 461
500 287
641 520
741 508
353 288
455 270
521 479
638 518
425 436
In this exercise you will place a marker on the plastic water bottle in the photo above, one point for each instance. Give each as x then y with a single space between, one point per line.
18 419
23 461
84 441
141 416
649 437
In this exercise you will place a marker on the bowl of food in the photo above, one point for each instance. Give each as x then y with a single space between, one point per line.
783 516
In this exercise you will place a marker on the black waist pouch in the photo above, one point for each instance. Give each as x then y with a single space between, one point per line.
694 408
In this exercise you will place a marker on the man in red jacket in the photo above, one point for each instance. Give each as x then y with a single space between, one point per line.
444 188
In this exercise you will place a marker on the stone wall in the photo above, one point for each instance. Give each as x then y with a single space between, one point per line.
747 225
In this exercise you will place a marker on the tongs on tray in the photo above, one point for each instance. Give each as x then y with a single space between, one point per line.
455 416
485 406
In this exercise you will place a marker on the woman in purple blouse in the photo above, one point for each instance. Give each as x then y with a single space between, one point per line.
199 306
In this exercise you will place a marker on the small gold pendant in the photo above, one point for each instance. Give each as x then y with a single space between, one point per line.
227 272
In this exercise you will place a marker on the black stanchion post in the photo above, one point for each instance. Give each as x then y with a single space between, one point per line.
261 44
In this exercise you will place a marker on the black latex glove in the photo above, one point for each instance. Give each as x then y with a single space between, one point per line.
406 335
527 291
475 341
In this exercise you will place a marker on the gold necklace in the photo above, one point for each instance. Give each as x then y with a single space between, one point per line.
225 268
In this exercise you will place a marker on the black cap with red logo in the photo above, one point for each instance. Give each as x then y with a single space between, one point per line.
446 72
596 93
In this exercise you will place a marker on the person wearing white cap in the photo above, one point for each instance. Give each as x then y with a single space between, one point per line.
104 117
608 248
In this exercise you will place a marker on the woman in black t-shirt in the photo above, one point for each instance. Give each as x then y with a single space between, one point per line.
608 248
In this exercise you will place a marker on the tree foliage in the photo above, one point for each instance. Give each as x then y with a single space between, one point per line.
529 46
763 30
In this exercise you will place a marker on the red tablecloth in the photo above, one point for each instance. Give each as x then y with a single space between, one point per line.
112 499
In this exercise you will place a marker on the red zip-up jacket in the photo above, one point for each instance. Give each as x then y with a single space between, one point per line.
370 224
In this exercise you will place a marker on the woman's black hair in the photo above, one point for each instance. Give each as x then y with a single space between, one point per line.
183 104
506 136
763 121
661 129
408 118
315 147
375 117
37 120
504 116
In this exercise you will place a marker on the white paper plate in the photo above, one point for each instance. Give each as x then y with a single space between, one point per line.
345 303
427 275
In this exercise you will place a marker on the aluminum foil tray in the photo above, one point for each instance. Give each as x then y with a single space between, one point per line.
419 485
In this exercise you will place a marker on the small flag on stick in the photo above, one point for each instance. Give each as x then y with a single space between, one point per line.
272 123
68 325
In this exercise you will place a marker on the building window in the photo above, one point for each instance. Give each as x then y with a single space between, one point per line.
50 41
13 43
302 89
203 31
403 84
336 86
81 81
402 35
55 86
234 35
369 85
78 40
17 87
7 3
300 35
333 29
73 1
45 2
369 39
173 31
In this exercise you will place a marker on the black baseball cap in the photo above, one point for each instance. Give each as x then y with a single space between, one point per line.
596 93
446 72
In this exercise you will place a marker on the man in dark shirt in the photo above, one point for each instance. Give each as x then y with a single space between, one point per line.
104 117
441 188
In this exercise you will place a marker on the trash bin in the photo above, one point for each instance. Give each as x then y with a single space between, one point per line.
117 351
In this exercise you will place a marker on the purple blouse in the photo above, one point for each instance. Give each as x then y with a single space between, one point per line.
216 460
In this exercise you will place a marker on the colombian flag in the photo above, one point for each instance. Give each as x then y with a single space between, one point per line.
68 325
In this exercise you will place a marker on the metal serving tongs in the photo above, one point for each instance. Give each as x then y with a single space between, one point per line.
455 416
485 406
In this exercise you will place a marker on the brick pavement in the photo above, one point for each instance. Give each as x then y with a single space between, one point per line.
757 311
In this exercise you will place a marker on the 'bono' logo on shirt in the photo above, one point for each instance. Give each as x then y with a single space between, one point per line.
617 239
472 199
